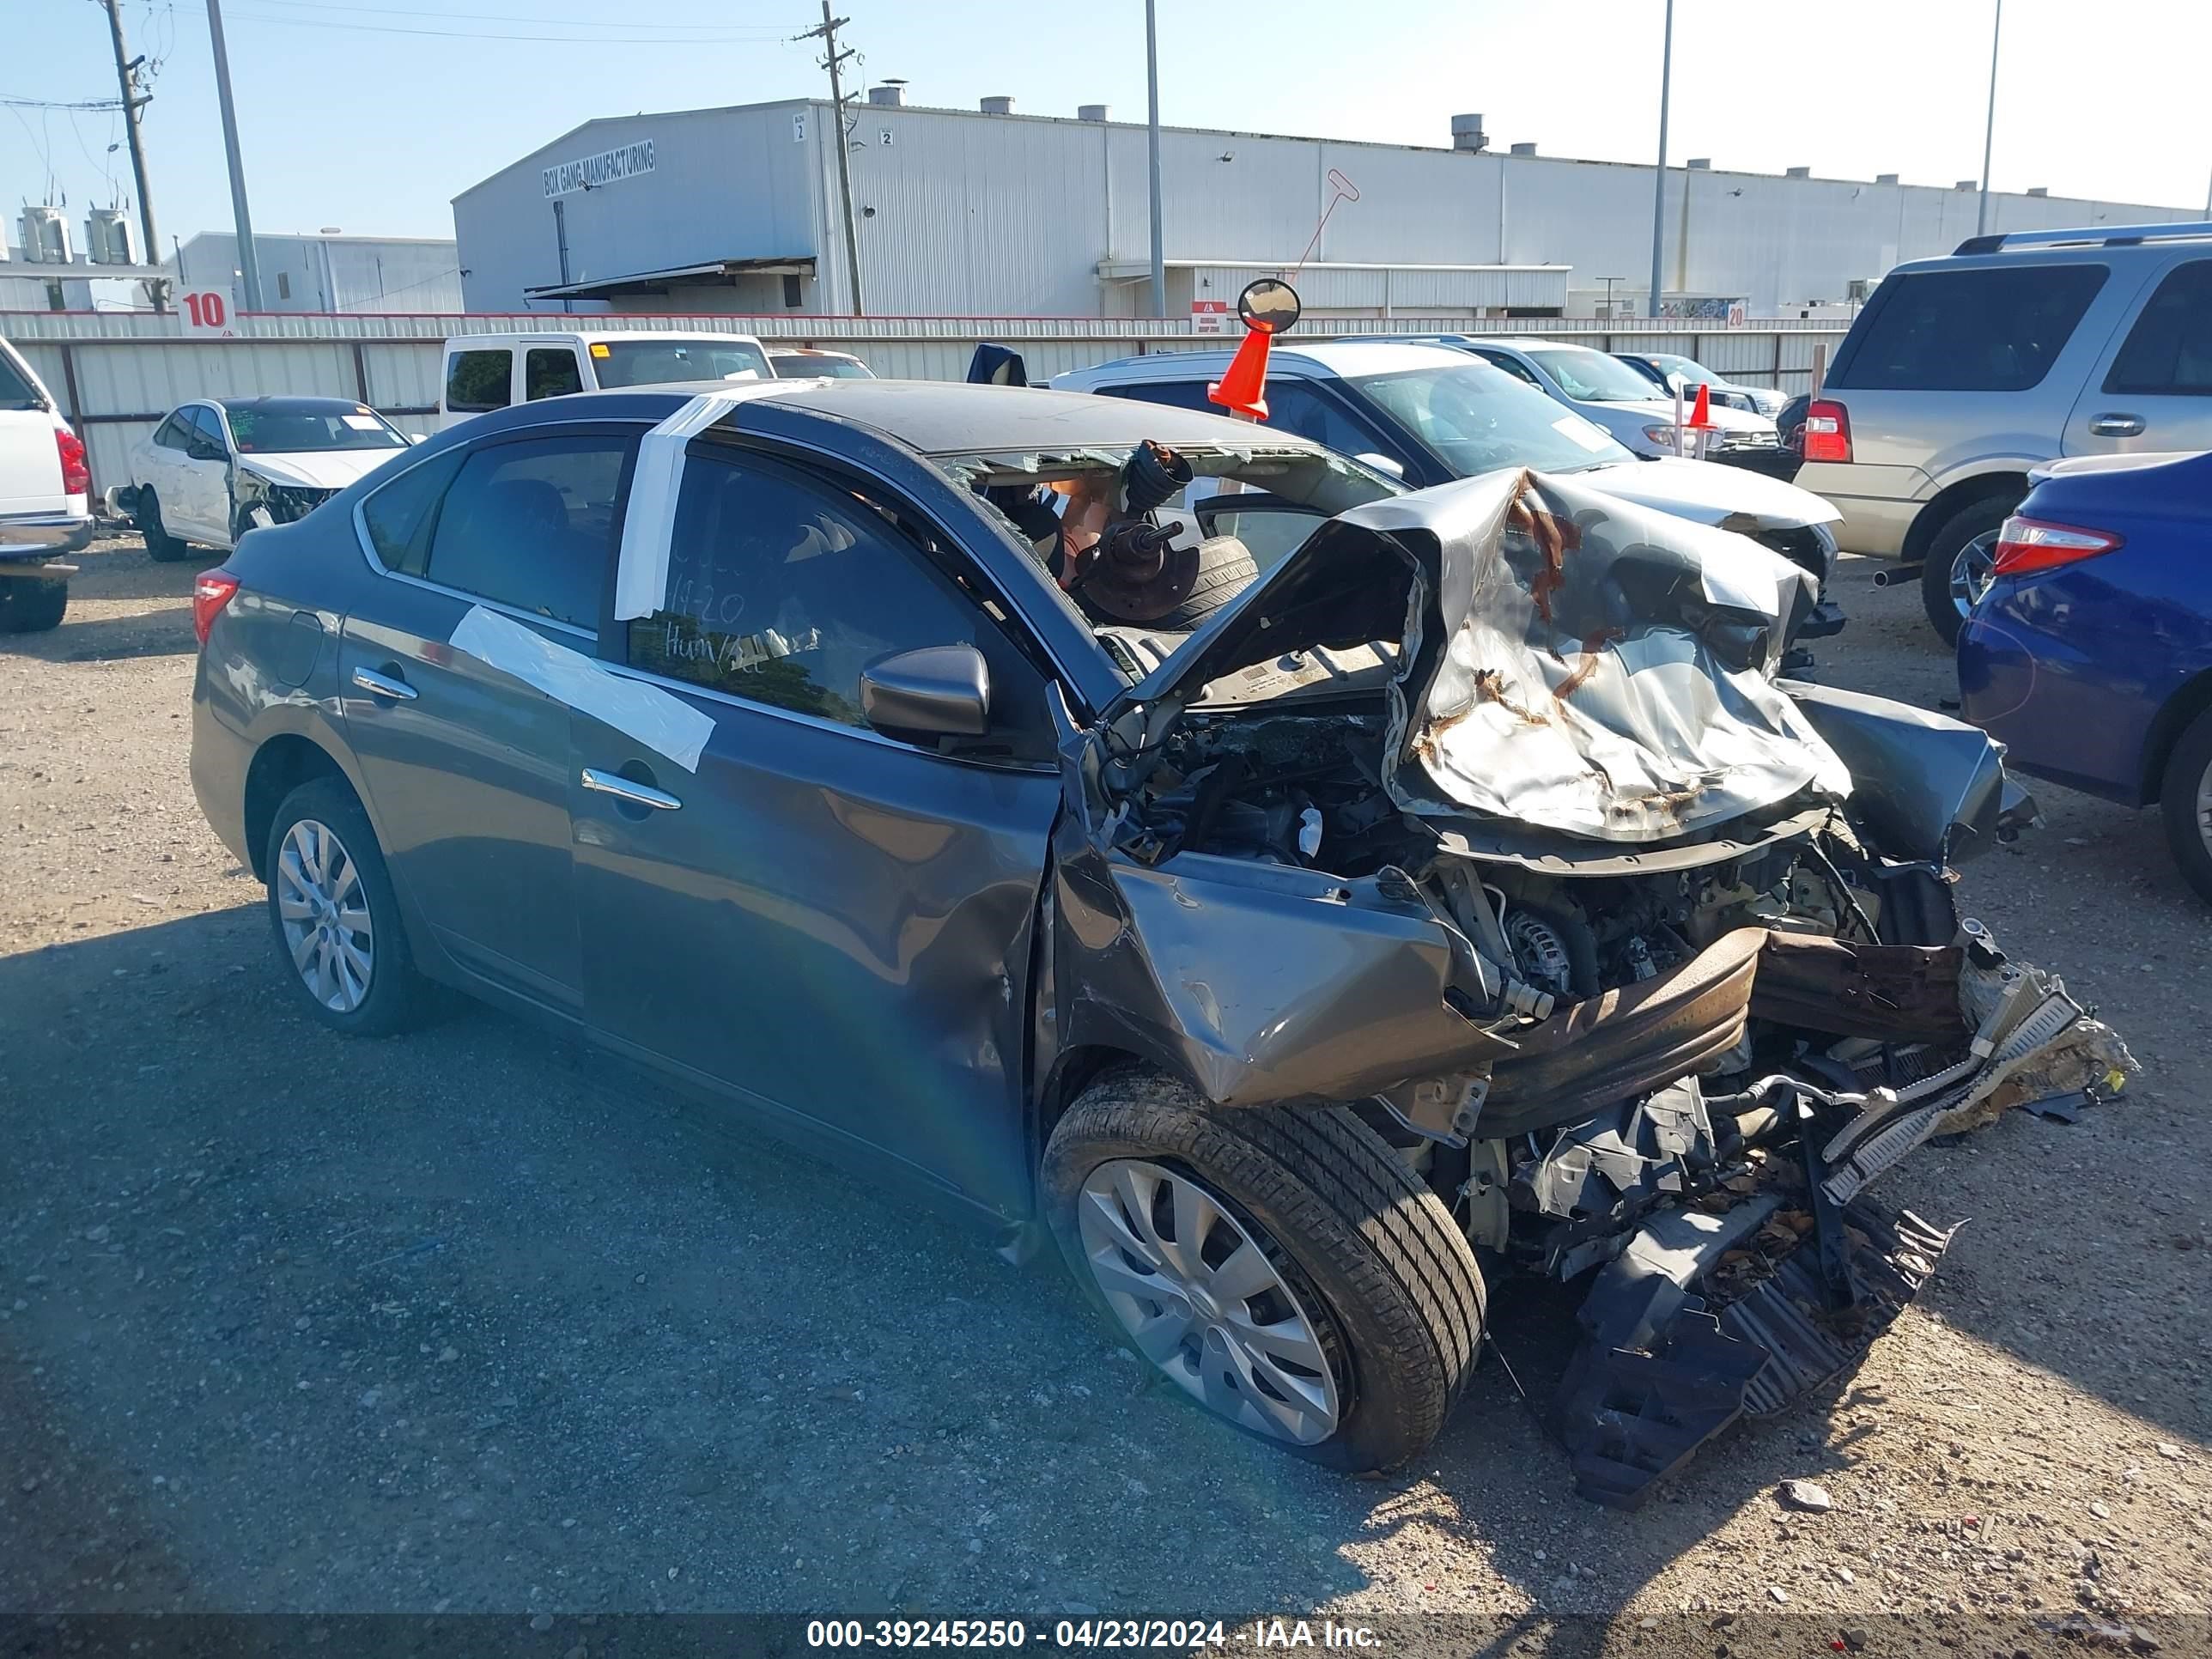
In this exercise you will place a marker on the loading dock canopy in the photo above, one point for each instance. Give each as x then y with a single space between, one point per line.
660 282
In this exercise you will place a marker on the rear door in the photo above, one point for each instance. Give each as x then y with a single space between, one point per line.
467 765
30 464
824 920
2153 388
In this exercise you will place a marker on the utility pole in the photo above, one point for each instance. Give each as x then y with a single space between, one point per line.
1159 234
833 60
1990 128
134 101
247 268
1659 173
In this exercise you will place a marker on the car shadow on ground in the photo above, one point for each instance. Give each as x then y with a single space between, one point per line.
467 1318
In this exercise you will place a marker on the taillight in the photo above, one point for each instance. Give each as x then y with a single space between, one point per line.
1828 431
2026 545
211 591
77 477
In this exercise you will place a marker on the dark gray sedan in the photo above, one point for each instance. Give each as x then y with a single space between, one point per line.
922 769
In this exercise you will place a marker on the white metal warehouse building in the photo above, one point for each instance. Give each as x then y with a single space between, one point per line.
988 212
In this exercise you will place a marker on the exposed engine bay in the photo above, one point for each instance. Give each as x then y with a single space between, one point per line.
1488 812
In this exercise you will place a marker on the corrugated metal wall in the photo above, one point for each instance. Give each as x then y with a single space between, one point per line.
118 374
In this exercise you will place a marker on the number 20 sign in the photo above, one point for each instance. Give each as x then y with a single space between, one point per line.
204 311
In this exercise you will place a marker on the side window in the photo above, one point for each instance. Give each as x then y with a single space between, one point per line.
782 588
478 380
550 372
1296 406
2169 349
402 513
170 434
1982 329
207 426
1512 366
1176 394
532 524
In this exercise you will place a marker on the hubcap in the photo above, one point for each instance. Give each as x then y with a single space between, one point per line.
1200 1299
1971 571
323 911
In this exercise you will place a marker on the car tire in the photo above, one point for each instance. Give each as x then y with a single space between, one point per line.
1226 569
1975 520
32 605
2184 800
386 995
161 546
1360 1257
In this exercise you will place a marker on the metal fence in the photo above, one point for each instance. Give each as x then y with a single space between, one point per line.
118 374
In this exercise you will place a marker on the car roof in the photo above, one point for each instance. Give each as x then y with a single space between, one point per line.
463 342
774 350
286 405
1324 358
940 417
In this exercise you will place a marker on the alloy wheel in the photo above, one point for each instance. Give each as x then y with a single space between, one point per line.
1203 1302
1972 570
324 910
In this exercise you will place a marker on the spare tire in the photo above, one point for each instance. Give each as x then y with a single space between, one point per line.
1226 569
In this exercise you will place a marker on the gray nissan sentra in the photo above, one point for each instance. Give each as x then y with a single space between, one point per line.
1156 833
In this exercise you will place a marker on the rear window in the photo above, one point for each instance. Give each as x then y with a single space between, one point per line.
15 391
478 380
2169 350
1994 329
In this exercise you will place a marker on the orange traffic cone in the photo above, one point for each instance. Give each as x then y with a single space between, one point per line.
1244 389
1701 414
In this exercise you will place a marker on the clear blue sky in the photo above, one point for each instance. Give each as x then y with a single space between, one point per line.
371 116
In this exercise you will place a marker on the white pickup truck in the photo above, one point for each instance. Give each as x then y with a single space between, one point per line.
45 508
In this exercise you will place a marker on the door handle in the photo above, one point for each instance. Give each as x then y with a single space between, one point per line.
383 685
623 788
2116 426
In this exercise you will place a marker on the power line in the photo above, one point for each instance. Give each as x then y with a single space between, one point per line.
585 39
10 101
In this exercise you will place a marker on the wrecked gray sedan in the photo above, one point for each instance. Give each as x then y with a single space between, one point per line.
925 770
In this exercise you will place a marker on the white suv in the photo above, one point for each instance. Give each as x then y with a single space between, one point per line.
46 500
1962 373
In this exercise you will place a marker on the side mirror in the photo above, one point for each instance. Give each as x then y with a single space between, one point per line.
1382 463
939 690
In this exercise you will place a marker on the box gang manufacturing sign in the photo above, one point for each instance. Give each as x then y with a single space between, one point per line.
590 172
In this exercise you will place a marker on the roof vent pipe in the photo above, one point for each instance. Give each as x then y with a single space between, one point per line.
1699 164
998 105
1090 112
1885 178
2038 189
890 94
1524 150
1797 173
1467 136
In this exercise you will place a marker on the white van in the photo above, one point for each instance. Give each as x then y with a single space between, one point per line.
485 372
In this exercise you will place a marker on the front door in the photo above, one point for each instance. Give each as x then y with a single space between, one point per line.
199 507
496 557
2153 389
823 919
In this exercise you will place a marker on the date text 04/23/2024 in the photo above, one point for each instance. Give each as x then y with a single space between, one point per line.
1182 1635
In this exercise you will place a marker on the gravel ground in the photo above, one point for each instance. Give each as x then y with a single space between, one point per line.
458 1322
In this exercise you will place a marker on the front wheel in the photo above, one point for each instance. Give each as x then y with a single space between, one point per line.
161 546
1280 1266
2185 801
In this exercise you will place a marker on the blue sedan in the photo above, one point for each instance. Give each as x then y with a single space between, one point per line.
2091 653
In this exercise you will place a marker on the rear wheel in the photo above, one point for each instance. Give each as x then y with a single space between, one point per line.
2185 803
1960 556
32 605
1281 1266
161 546
336 918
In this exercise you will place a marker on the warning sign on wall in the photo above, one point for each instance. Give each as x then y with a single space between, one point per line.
1209 316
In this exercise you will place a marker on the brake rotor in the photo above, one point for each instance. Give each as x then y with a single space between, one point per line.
1142 587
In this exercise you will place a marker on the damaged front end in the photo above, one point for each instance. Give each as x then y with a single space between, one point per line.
1486 814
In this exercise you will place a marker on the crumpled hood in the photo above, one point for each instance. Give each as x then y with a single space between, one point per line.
1567 659
321 469
1710 492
